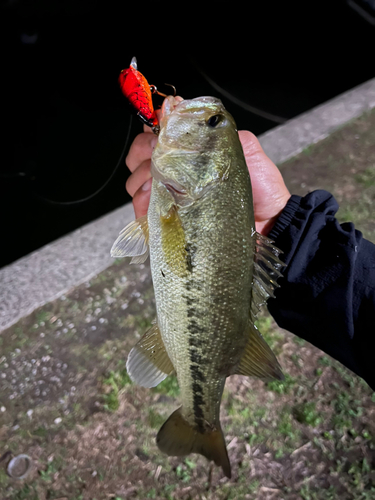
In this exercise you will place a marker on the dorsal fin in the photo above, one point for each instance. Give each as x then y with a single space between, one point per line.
267 266
133 241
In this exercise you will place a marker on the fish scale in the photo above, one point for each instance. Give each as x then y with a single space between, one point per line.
219 284
211 273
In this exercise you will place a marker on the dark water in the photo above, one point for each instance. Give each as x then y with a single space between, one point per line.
67 125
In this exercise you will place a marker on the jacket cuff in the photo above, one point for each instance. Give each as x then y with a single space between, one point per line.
301 215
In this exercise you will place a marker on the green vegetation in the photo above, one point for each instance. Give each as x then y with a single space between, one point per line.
268 328
282 386
306 413
169 386
310 436
367 177
155 419
25 493
115 382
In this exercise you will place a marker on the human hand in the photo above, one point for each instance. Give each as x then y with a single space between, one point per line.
270 194
138 162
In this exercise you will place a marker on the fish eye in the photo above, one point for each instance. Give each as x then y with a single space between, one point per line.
214 120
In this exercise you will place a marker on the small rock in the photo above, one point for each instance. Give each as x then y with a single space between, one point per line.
58 420
3 409
29 413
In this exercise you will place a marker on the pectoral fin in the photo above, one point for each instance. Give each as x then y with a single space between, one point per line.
258 360
174 244
178 438
133 241
148 363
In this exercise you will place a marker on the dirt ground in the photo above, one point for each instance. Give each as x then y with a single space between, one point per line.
67 401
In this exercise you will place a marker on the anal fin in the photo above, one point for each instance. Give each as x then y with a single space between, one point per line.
258 360
148 363
178 438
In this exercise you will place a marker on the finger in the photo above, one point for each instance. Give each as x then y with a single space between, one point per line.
267 181
250 144
141 199
138 177
147 129
270 194
140 150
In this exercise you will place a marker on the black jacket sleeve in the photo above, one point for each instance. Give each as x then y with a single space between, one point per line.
327 294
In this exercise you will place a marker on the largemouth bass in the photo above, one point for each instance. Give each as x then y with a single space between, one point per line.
211 273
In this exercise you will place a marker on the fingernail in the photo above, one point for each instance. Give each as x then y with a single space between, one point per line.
147 185
153 142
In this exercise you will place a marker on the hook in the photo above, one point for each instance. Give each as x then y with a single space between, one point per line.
154 90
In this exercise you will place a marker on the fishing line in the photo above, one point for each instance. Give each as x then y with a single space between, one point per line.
239 102
86 198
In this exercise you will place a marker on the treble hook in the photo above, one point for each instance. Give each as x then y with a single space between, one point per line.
154 90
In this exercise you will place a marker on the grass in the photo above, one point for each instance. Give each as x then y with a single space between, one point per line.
115 381
309 437
282 386
155 420
184 470
306 413
366 178
26 493
169 387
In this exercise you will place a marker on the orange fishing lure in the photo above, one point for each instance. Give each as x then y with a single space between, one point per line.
136 89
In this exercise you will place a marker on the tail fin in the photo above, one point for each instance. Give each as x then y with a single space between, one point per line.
177 438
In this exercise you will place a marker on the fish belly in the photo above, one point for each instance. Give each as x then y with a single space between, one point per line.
203 304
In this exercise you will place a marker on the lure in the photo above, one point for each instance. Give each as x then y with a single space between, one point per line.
136 89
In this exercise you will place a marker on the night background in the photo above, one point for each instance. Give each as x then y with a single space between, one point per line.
68 127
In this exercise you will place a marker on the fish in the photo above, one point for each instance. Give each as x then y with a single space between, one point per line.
211 271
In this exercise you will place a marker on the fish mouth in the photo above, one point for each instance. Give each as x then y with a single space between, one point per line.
169 105
175 190
172 186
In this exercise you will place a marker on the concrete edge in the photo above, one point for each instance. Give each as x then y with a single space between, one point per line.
56 268
287 140
53 270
